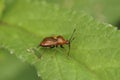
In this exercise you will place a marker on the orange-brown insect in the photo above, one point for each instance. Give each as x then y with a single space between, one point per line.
56 41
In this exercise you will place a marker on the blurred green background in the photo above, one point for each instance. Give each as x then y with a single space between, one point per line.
103 10
107 11
12 68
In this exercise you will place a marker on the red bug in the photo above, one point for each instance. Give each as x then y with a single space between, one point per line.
56 41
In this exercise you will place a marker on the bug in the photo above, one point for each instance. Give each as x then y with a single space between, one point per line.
55 41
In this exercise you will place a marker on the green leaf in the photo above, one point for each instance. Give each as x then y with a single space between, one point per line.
1 7
94 53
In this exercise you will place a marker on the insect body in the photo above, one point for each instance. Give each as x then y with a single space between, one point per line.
56 41
53 41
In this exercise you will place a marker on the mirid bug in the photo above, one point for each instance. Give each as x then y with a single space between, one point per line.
56 41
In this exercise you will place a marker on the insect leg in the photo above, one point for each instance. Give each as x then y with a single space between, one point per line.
56 46
69 49
52 46
61 46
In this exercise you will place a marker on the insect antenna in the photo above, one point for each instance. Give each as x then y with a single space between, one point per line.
70 40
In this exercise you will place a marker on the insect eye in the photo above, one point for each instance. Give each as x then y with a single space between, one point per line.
67 42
